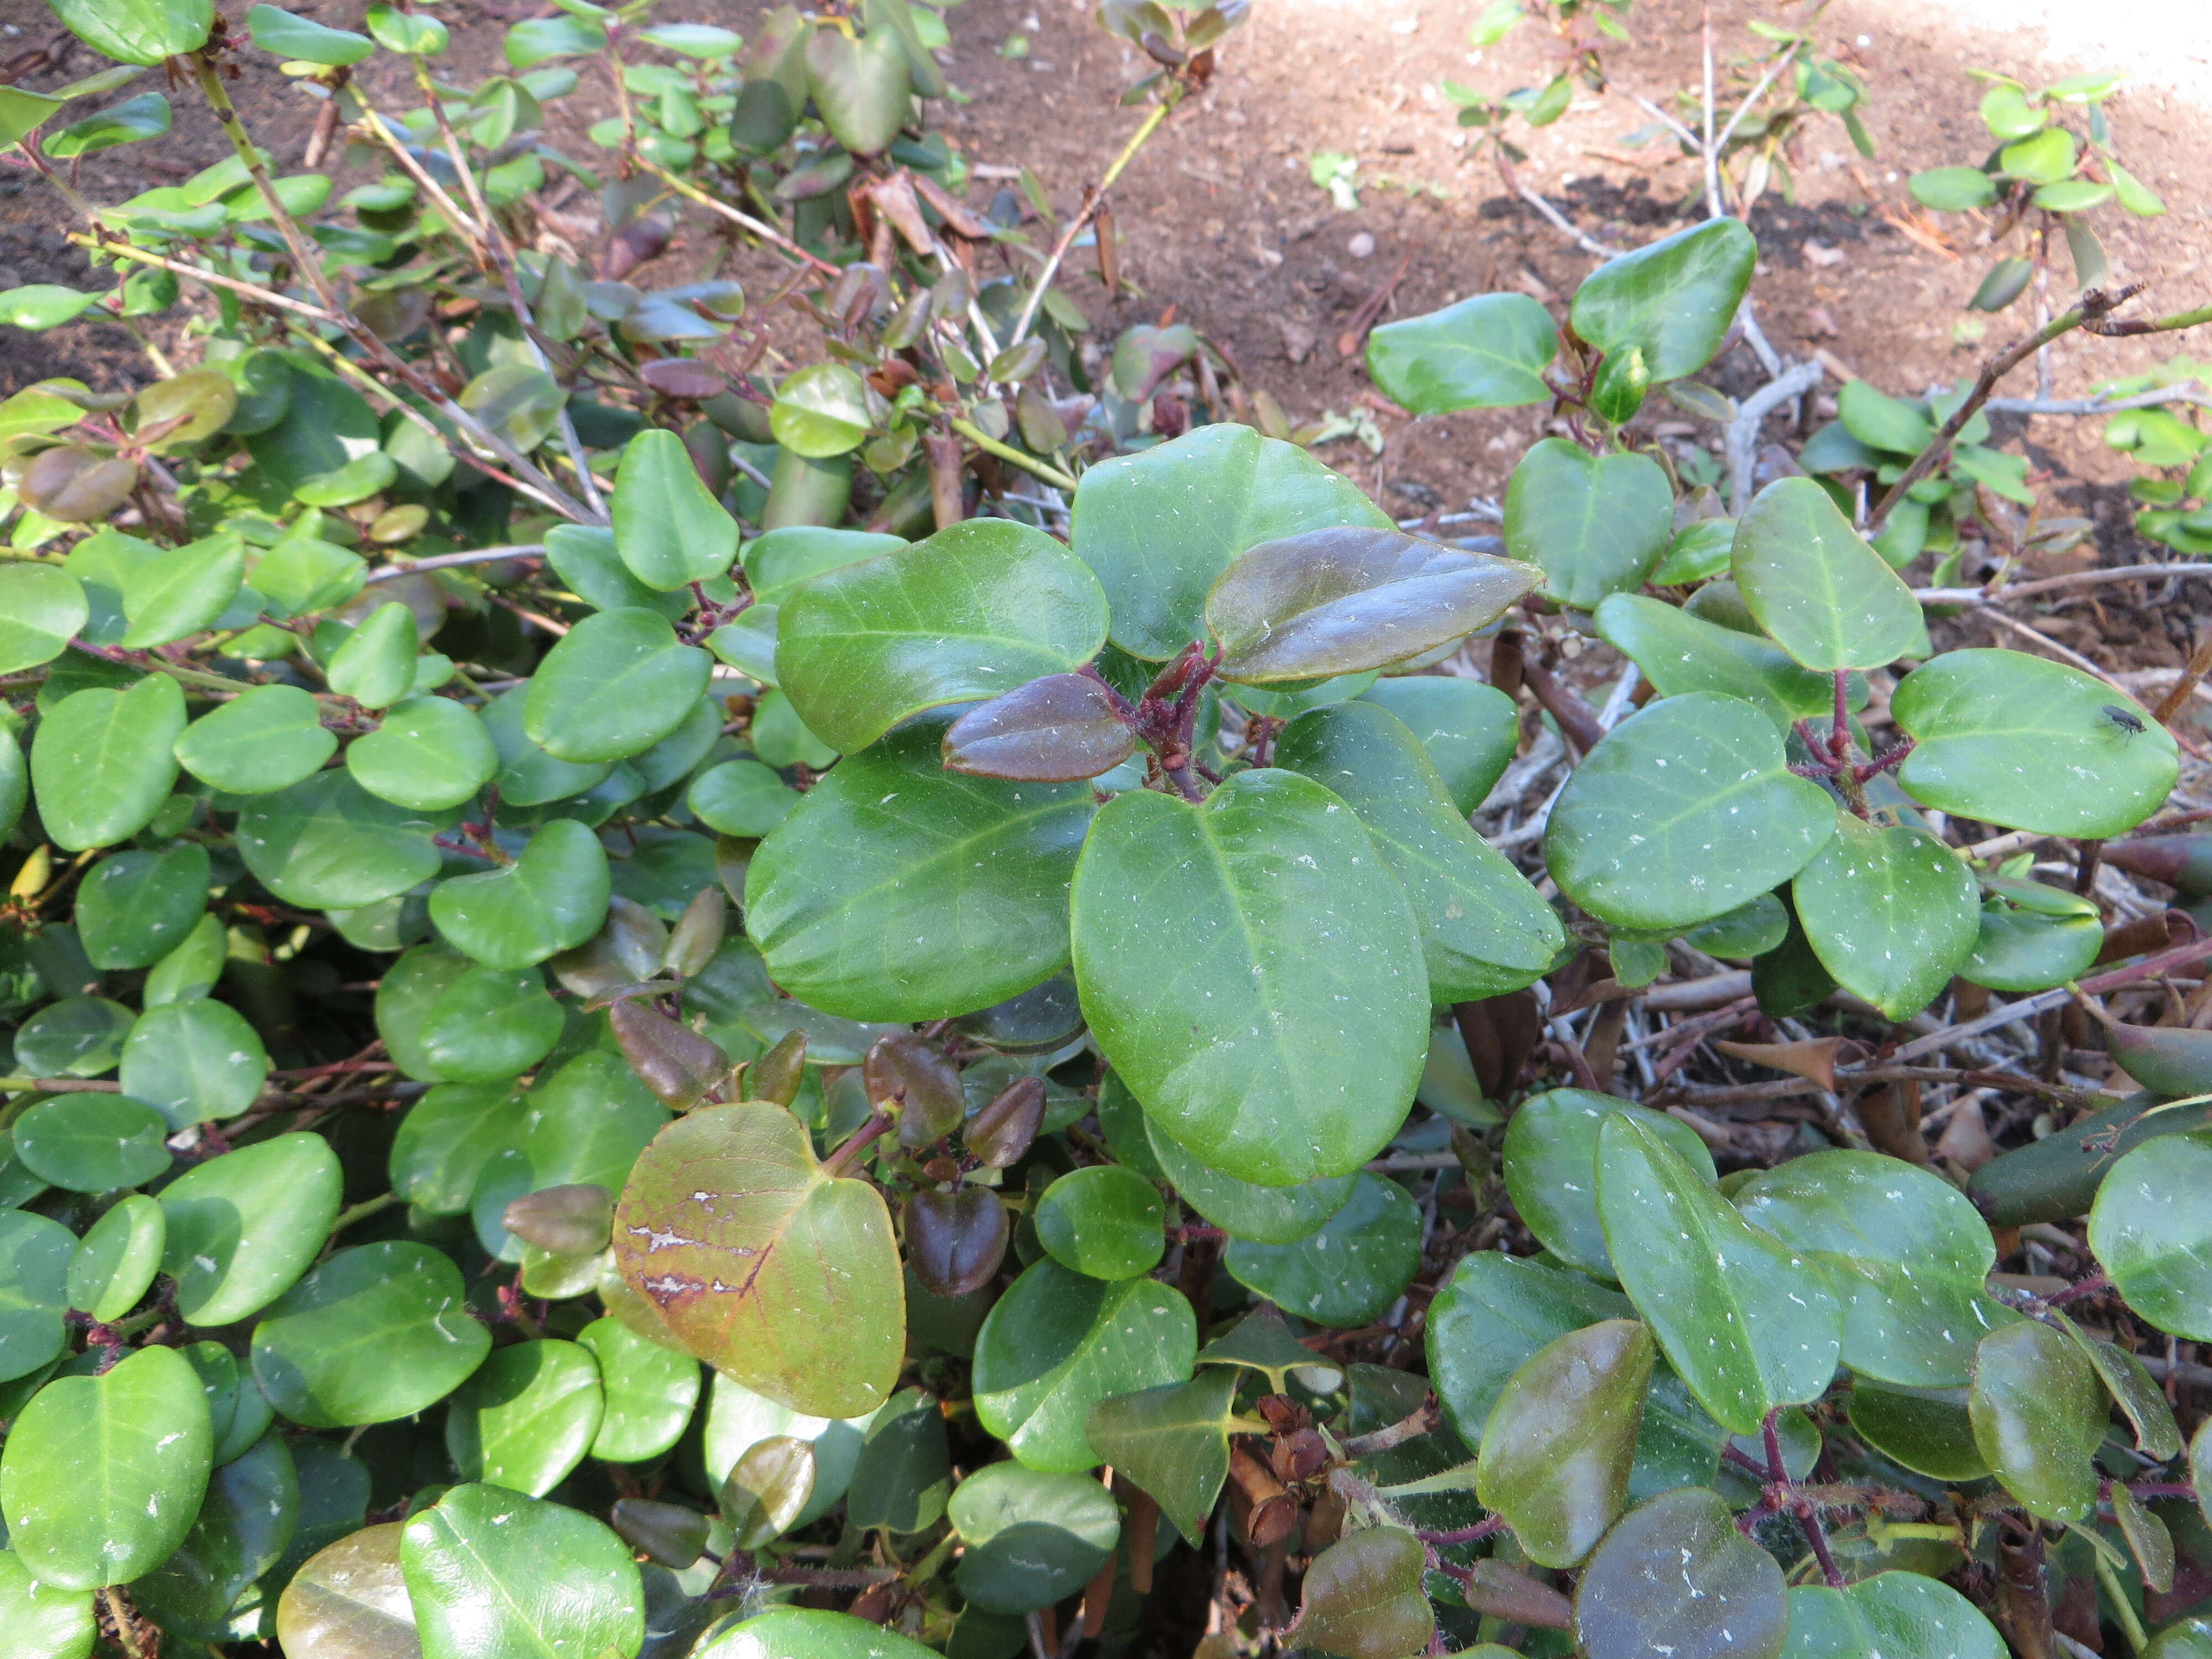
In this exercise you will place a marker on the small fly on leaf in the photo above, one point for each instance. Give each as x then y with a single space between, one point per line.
2126 719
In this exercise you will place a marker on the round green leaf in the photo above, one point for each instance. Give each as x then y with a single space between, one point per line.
809 1633
1363 1597
763 1263
1904 1249
1675 1575
1057 1343
349 1601
490 1023
1746 1322
446 1139
2150 1230
1684 812
1952 189
1266 1215
77 1036
100 760
527 1417
184 591
1881 422
88 1143
193 1061
1489 352
375 1333
41 608
860 86
1301 1062
739 1421
1891 913
741 798
1679 653
779 561
537 38
975 611
242 1227
236 1409
1104 1222
617 685
2016 950
904 1470
246 1523
551 898
137 31
42 1621
1161 525
116 1260
133 908
896 891
1469 730
820 411
1173 1441
1348 1272
41 305
300 40
101 1475
1557 1449
1811 582
2038 1414
1925 1430
268 739
327 843
190 969
430 754
1595 524
1671 302
491 1571
35 1263
2014 740
649 1393
1892 1615
1032 1537
1551 1167
1484 930
668 527
376 664
585 1124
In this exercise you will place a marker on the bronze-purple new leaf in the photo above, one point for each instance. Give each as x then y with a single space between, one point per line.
955 1241
914 1071
777 1074
1363 1597
762 1263
1342 600
1557 1449
1060 729
1002 1131
676 1062
571 1220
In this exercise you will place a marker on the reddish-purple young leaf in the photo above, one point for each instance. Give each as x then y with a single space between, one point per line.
677 1064
573 1220
1002 1131
682 377
955 1241
914 1072
1060 729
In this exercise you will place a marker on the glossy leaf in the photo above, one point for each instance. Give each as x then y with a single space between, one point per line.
1344 600
1032 1537
1057 1343
551 898
669 530
2038 1414
430 754
349 1601
1489 352
116 1261
527 1416
1551 1167
904 1471
376 1331
133 908
244 1525
2149 1230
47 1622
955 1241
1925 1430
2028 743
376 664
1670 303
1469 730
1740 1317
741 798
100 760
977 609
137 31
492 1571
1557 1449
35 1254
41 607
1891 913
914 1073
1265 1215
242 1227
327 843
618 683
1675 1574
764 1264
1595 525
1173 1441
898 890
101 1475
1346 1271
1104 1221
1810 581
267 739
92 1143
1906 1251
1160 527
183 591
1060 729
1362 1598
1892 1615
1484 930
1684 812
194 1061
1679 652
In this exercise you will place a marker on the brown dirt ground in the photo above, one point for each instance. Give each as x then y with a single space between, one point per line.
1220 221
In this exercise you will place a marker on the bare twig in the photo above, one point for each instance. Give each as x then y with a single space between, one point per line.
2126 572
1743 431
448 561
1092 200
